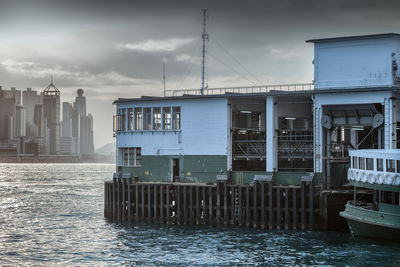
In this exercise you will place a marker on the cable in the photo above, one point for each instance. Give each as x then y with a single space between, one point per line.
236 60
194 48
214 57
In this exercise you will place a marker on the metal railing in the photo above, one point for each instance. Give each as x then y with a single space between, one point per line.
242 89
249 149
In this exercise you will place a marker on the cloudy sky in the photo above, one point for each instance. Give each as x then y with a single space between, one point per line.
116 49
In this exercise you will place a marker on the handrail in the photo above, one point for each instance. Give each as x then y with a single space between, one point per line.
243 89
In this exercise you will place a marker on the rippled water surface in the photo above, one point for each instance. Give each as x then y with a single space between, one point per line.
53 214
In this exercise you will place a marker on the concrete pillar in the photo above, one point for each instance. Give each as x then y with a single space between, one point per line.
390 125
271 138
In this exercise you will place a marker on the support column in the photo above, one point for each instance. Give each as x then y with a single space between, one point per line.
271 139
390 125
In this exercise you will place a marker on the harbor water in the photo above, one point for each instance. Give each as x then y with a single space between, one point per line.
53 214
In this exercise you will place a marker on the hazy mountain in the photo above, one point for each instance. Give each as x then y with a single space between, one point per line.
107 150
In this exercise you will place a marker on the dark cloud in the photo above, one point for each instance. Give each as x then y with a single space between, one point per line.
116 48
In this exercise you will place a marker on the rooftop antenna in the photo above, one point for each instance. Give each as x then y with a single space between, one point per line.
204 36
163 65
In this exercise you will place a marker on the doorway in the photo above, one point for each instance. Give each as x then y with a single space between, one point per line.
175 170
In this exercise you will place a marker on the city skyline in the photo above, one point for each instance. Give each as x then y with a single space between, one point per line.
118 50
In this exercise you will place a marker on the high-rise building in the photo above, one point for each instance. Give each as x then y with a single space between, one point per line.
82 125
30 98
51 113
13 92
7 117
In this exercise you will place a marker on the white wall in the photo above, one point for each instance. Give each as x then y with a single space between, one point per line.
354 63
203 129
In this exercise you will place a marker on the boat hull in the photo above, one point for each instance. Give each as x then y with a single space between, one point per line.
373 224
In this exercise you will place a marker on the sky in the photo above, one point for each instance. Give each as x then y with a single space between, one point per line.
117 48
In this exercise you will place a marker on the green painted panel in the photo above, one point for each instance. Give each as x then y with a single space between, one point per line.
390 208
246 177
382 187
289 178
191 168
203 168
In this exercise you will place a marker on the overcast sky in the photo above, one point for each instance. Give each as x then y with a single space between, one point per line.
116 49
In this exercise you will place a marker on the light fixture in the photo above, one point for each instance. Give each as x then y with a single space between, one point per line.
290 118
245 111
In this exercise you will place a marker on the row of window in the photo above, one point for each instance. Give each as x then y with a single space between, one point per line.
368 164
145 119
131 156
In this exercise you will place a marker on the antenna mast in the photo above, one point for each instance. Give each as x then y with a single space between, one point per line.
204 36
164 76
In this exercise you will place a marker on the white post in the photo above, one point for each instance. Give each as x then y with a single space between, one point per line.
271 142
389 131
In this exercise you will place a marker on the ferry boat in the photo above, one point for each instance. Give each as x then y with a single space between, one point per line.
377 170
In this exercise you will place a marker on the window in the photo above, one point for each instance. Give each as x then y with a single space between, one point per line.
131 156
130 119
398 166
370 164
390 167
176 118
146 118
138 119
116 123
379 165
156 118
355 165
361 163
122 118
166 118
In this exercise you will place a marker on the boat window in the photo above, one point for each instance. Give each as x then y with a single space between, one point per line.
166 118
390 167
130 119
176 118
370 164
355 161
138 119
379 165
361 163
398 166
138 156
157 118
116 123
146 118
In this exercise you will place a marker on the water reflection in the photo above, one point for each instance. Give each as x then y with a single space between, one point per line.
53 213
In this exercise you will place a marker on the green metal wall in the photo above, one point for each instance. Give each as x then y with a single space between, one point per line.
199 168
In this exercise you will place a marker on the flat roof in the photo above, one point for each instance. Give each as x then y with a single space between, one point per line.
357 37
271 93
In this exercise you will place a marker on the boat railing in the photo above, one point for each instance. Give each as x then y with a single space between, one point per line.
242 89
375 166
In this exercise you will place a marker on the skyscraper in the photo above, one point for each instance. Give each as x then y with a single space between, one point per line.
51 113
82 124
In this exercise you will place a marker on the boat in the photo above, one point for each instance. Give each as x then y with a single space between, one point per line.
377 171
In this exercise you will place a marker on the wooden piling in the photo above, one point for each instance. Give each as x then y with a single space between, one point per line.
210 206
294 209
142 203
263 205
149 202
240 219
303 215
161 204
247 206
255 205
191 204
204 218
286 208
129 201
155 204
278 208
270 225
167 205
225 205
197 205
311 205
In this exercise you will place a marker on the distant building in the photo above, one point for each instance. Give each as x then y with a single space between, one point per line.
13 92
51 113
7 117
30 99
82 125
